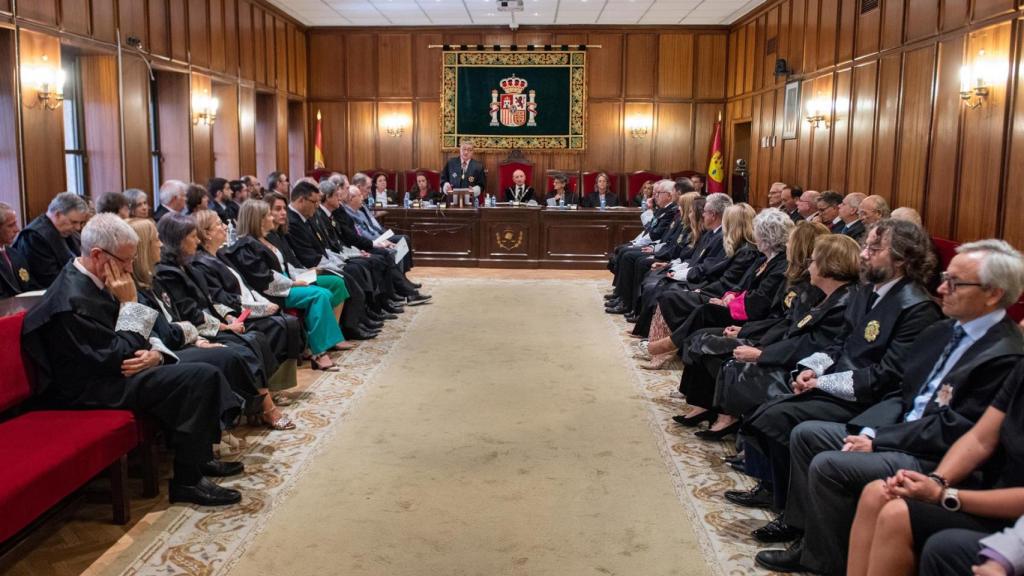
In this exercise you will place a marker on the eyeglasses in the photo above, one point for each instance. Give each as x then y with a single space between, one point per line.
952 283
116 257
872 250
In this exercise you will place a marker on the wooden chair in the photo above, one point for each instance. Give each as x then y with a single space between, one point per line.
391 175
635 181
433 176
589 182
571 186
508 166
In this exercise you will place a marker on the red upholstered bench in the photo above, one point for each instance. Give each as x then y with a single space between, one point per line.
947 250
48 454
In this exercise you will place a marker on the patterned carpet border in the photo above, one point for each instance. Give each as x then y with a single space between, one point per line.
698 472
209 541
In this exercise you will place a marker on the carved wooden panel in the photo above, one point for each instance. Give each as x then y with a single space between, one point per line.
675 65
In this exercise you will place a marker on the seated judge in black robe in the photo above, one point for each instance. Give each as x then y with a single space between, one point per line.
89 342
520 193
422 191
559 195
14 275
48 242
226 287
602 189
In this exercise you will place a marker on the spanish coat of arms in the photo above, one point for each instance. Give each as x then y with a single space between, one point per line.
513 108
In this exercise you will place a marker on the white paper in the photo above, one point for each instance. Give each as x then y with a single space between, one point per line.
383 237
31 293
308 276
401 249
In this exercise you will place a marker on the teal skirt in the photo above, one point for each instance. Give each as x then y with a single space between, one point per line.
322 329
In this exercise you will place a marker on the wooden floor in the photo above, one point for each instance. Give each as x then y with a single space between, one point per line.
79 530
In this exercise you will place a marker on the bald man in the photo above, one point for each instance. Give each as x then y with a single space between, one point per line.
519 191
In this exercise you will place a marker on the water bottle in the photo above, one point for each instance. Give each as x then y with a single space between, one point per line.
232 233
603 205
487 200
476 200
494 201
407 202
561 202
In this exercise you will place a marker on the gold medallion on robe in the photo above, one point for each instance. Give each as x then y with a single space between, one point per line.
945 395
23 274
803 321
871 331
789 299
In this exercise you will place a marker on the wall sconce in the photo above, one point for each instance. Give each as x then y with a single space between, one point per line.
48 82
975 80
819 110
638 127
394 126
204 109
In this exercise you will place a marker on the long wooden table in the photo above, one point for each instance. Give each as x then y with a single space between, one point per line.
513 237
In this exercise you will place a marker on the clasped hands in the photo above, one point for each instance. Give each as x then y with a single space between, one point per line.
724 300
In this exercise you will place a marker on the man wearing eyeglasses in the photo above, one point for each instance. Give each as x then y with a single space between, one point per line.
47 243
951 375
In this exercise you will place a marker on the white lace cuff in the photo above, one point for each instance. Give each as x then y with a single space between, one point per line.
158 345
135 317
210 325
280 285
817 362
839 385
189 332
258 309
223 310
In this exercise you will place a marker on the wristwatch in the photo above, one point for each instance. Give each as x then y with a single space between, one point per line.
951 499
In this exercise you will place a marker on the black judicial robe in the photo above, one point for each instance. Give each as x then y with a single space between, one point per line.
284 332
873 345
257 264
45 250
15 279
76 351
187 300
475 175
570 198
593 200
528 194
974 381
305 242
346 229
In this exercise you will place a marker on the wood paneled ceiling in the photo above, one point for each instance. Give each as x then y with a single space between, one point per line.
535 12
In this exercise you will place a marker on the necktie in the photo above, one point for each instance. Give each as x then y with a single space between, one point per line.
872 299
954 341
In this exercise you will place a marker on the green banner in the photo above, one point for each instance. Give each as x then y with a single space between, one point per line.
528 100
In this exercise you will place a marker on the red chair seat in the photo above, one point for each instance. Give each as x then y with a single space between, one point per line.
46 455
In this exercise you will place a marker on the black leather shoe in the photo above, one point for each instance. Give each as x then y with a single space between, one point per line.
693 421
360 335
760 496
620 309
415 285
388 316
787 560
417 299
393 309
399 303
776 531
710 434
632 317
610 296
221 468
204 493
613 302
368 324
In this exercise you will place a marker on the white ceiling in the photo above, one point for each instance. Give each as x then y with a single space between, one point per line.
537 12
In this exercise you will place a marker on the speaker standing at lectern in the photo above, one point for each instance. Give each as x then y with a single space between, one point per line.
464 172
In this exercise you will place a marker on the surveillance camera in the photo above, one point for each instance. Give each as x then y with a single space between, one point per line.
514 25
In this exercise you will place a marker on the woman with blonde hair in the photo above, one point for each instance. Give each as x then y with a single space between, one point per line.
263 267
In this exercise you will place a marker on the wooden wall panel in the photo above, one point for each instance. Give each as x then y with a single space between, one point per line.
796 35
988 8
607 84
1013 206
886 134
360 74
43 11
605 118
675 66
246 130
281 117
362 136
840 131
226 159
11 193
42 129
821 138
132 21
259 37
395 151
231 37
892 23
710 79
281 51
983 144
732 65
828 21
159 28
270 49
293 82
673 137
750 64
104 21
954 14
641 65
848 10
704 131
202 135
428 130
296 139
868 31
138 165
199 33
178 28
922 19
394 71
637 150
102 123
862 127
326 66
266 134
175 123
915 119
940 203
771 33
74 17
427 65
301 63
246 41
218 47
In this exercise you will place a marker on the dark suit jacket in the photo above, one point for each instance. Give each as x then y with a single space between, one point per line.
528 194
856 230
663 219
975 379
346 229
159 212
474 176
707 254
570 198
17 278
593 200
44 249
676 243
434 196
795 216
303 240
837 228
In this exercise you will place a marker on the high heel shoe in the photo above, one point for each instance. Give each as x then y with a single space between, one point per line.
663 362
282 423
316 366
693 421
718 434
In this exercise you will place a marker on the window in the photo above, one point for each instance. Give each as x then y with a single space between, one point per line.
154 140
75 162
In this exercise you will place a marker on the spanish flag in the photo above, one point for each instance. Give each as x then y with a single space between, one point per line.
716 168
318 150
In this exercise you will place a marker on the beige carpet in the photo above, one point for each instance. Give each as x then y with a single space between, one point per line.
502 435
